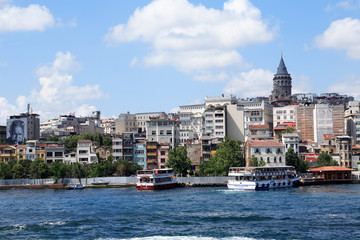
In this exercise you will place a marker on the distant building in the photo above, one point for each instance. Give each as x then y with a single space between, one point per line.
20 128
163 131
117 148
162 154
260 132
140 153
292 139
282 83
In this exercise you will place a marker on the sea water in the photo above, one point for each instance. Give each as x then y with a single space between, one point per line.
313 212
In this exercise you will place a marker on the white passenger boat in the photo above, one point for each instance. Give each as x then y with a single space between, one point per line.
156 179
262 178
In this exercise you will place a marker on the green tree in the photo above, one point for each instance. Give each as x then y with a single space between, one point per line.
325 159
229 154
53 139
59 170
179 161
77 171
18 171
257 163
26 165
39 169
292 159
71 142
107 141
5 171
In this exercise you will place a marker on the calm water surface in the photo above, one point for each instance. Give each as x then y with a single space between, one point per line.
317 212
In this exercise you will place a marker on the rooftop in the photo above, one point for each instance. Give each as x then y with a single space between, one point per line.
264 143
258 127
330 168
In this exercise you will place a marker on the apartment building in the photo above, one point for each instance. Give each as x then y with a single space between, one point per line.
272 152
140 152
215 121
163 131
117 148
85 152
284 114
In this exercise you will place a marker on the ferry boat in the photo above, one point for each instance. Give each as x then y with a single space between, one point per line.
262 178
156 179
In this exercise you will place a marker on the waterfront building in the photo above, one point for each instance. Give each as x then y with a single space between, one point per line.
323 123
7 153
163 131
352 121
21 152
128 151
272 152
30 151
333 173
117 148
191 122
140 152
70 157
209 146
151 155
215 121
162 154
54 152
292 139
194 153
40 151
103 151
85 152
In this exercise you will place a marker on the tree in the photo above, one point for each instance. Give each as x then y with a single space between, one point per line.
257 163
179 161
107 141
229 154
26 165
292 159
18 171
325 159
59 170
77 171
5 171
53 139
287 130
39 169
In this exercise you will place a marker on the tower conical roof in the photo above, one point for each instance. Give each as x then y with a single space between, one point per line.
281 70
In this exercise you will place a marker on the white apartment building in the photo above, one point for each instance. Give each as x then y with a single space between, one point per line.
117 148
216 101
352 121
323 121
85 152
163 131
215 122
235 125
257 113
292 140
191 122
127 122
284 114
272 152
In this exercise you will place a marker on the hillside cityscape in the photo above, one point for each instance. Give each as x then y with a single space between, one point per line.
266 126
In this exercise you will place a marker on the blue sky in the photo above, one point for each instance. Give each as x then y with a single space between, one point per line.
145 56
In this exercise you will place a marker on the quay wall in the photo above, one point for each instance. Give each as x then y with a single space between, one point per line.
113 181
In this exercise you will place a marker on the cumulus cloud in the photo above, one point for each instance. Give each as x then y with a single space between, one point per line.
349 85
192 37
256 82
301 84
31 18
343 34
57 93
346 5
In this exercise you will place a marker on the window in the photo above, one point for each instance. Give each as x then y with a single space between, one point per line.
58 154
161 132
153 133
168 132
49 154
274 159
162 153
268 159
163 160
280 159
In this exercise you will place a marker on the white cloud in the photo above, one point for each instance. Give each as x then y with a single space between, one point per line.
57 93
257 82
349 85
208 77
346 5
192 37
31 18
301 84
342 34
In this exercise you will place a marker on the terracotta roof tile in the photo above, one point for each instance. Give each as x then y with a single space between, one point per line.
330 168
263 143
258 127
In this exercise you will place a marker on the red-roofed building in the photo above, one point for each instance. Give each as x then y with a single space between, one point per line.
272 152
333 173
283 126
